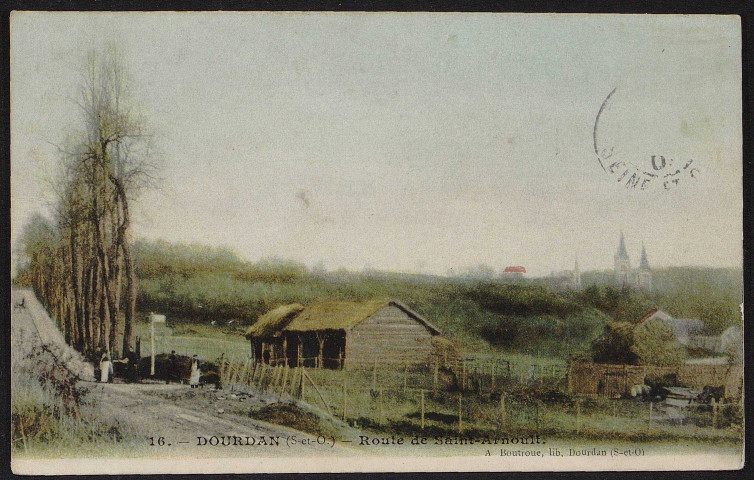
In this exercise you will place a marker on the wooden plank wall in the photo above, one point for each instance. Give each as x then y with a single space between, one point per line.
389 337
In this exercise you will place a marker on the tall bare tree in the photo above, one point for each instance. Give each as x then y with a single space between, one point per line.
106 163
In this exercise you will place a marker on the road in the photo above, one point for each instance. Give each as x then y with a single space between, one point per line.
182 417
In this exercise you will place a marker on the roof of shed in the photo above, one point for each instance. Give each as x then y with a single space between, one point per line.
329 315
274 320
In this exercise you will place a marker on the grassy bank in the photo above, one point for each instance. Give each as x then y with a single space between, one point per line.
52 416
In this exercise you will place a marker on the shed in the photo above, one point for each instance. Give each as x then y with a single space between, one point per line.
336 334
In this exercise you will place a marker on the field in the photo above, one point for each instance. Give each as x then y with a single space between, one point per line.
205 341
498 393
412 402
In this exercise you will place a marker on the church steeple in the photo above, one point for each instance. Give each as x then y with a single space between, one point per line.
622 253
622 265
576 273
644 265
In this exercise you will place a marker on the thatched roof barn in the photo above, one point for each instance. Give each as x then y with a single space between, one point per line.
337 334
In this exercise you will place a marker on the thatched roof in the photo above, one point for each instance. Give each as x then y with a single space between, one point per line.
273 321
329 315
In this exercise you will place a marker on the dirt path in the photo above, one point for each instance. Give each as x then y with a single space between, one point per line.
188 421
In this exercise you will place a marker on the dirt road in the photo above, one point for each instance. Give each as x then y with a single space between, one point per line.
172 420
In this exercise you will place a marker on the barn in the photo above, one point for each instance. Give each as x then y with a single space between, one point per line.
337 334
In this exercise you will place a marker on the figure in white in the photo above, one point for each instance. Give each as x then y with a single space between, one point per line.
195 373
106 369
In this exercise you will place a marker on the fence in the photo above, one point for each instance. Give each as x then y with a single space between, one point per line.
613 381
480 373
424 400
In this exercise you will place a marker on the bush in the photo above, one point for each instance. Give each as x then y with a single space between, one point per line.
53 413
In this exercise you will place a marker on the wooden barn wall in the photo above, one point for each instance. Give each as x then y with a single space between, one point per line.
389 337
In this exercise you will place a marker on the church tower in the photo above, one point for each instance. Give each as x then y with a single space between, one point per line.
576 274
644 275
622 264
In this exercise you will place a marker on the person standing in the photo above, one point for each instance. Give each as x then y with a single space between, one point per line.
172 374
195 373
106 369
132 367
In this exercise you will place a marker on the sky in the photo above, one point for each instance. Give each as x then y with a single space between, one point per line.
425 143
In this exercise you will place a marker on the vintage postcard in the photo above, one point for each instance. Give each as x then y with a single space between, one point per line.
323 242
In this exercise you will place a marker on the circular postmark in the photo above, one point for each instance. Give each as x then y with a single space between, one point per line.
633 162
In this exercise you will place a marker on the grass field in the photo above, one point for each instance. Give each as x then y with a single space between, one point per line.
381 402
205 341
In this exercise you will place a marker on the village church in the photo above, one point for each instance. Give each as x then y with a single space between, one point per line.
625 276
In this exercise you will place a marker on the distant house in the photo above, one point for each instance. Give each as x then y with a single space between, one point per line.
683 328
514 271
336 334
730 341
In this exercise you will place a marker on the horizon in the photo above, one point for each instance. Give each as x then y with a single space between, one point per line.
419 144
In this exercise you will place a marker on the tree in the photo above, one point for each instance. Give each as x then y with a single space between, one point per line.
116 153
614 345
649 343
655 344
104 164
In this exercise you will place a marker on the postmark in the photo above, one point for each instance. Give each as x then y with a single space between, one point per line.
633 170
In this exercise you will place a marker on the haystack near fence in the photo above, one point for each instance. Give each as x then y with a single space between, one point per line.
336 334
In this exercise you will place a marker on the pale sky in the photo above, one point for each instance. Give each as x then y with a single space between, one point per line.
407 142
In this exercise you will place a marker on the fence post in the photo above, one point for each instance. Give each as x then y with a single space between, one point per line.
221 372
434 381
578 416
345 399
422 408
231 372
714 413
405 375
285 380
503 414
257 373
374 376
246 373
301 384
460 413
265 373
615 414
272 370
649 424
227 372
379 400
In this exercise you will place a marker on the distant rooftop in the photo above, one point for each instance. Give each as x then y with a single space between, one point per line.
516 269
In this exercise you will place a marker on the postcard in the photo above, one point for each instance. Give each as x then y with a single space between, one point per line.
375 242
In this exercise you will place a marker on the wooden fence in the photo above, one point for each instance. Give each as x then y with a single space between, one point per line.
613 381
379 397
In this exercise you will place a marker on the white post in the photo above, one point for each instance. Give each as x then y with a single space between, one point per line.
151 365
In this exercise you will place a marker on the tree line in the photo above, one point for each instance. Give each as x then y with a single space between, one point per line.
81 262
